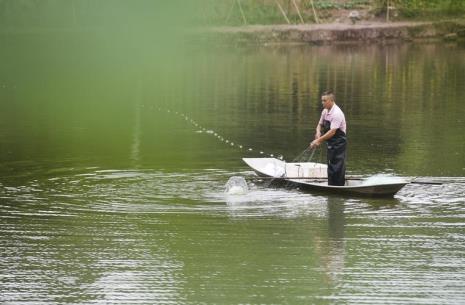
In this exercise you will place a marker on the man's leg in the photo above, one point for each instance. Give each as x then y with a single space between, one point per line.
336 164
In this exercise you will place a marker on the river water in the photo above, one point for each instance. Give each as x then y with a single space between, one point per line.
113 172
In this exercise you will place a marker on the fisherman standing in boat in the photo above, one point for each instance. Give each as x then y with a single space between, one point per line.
332 129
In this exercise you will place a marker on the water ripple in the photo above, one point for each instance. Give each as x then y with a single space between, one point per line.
94 236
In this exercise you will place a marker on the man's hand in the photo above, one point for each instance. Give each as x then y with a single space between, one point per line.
315 143
317 135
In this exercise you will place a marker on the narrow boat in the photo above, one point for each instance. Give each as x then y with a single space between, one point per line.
313 177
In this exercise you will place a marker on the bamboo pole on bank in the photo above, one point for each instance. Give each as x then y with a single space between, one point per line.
314 12
387 10
242 12
298 11
282 11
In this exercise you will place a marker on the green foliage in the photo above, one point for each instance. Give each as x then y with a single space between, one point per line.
427 8
156 14
329 5
267 11
256 12
233 12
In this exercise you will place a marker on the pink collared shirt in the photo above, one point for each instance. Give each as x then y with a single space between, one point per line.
335 116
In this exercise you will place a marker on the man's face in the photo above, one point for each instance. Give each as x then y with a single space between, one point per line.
325 101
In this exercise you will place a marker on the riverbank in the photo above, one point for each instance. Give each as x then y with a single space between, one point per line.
340 32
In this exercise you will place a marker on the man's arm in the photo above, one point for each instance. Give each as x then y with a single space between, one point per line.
328 135
318 131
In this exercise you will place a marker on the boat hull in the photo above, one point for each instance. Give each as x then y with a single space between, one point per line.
381 190
317 182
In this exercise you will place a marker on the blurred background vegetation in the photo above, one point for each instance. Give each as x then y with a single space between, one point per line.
423 8
236 12
78 73
92 13
85 13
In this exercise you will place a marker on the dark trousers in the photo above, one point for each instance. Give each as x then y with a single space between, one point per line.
337 161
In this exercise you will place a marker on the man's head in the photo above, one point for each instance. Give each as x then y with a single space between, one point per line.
327 99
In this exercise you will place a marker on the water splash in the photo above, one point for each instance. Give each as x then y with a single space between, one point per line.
236 186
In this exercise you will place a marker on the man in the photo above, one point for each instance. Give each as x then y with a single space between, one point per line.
332 129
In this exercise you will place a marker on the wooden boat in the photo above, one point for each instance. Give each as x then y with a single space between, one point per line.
313 176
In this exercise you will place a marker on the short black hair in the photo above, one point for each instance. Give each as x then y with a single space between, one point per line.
328 92
330 95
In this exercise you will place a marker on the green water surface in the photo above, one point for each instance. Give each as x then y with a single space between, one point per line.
112 178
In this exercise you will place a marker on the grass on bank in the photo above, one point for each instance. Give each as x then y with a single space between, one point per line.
241 12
